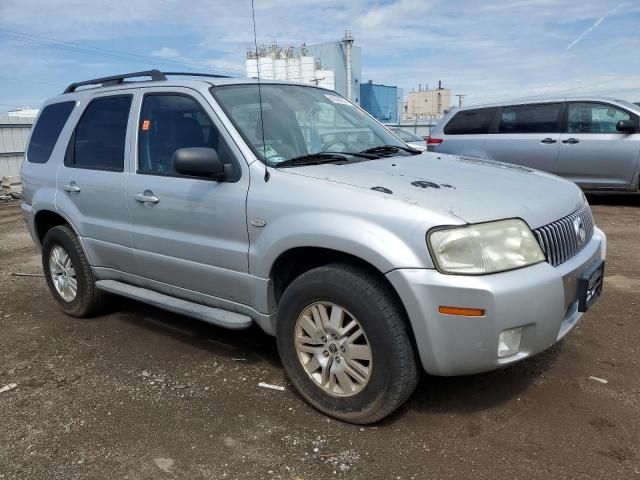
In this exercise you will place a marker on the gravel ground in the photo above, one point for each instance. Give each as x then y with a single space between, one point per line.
139 393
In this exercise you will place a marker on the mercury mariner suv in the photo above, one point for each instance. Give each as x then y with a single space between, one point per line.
284 205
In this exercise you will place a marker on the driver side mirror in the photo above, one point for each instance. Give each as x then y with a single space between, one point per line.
626 126
198 162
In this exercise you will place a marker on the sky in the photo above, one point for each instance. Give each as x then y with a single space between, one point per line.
488 50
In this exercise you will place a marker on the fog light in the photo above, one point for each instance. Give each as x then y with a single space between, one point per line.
509 342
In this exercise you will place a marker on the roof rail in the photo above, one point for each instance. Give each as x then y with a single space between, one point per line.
192 74
117 79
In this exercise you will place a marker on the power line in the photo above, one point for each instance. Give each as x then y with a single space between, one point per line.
50 42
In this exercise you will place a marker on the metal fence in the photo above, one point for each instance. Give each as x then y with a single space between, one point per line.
14 133
423 129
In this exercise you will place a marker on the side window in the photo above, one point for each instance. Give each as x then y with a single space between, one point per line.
169 122
47 130
98 142
470 122
539 118
595 118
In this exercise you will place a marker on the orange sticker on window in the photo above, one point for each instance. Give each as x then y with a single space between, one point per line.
146 124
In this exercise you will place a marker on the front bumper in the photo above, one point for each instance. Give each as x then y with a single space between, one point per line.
542 299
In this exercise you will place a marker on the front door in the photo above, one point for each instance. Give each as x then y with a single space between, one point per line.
592 152
189 232
527 135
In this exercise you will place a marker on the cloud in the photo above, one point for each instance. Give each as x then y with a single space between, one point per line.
389 14
487 50
166 52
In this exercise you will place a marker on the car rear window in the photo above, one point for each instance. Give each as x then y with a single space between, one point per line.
47 130
540 118
98 142
470 122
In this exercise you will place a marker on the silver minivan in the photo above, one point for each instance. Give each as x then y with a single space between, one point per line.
593 141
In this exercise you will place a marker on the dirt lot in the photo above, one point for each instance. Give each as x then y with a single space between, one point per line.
140 393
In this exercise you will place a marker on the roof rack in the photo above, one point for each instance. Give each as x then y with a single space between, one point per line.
156 75
116 79
192 74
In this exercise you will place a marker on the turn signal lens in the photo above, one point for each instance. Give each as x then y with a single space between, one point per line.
465 312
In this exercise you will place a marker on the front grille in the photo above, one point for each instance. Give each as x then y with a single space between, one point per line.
563 239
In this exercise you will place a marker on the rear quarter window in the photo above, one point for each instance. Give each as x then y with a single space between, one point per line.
470 122
47 130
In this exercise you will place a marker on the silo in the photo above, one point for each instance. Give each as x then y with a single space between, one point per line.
280 68
326 79
251 65
293 69
307 69
265 65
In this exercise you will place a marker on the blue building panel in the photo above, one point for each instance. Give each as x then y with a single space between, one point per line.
381 101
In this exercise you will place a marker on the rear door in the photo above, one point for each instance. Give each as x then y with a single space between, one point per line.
592 152
91 182
527 135
193 233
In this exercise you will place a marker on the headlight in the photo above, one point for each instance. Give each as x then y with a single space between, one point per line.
485 248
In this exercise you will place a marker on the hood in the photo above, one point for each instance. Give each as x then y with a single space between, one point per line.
474 190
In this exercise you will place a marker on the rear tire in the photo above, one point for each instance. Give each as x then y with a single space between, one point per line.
315 353
68 273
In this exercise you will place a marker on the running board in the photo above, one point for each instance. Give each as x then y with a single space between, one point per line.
215 316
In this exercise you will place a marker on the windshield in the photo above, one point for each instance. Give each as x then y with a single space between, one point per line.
299 121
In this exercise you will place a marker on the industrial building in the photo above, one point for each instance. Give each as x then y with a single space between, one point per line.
15 128
333 65
427 103
381 101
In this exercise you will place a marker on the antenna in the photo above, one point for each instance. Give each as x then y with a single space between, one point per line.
255 43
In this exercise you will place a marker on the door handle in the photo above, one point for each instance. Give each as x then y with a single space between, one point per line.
146 197
548 140
71 187
571 140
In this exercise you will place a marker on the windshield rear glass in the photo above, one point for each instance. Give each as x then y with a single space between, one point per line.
298 121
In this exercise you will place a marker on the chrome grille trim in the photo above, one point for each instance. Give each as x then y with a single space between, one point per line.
560 240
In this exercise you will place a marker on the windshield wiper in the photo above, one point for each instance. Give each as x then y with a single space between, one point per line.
382 149
323 157
312 159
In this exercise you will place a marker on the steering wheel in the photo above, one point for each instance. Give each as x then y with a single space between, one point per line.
328 146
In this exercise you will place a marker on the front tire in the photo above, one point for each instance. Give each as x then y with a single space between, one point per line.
345 344
68 273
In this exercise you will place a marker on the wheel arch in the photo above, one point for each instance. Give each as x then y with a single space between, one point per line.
45 220
292 263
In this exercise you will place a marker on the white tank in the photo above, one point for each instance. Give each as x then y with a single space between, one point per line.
265 66
280 68
307 69
326 79
252 67
293 69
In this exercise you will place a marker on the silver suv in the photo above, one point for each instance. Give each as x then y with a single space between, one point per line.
593 141
287 206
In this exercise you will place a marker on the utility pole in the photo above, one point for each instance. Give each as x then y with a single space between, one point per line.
460 97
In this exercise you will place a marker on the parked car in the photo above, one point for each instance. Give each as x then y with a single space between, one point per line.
410 138
593 141
287 206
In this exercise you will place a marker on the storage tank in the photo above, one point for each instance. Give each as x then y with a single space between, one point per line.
265 65
307 69
251 66
293 69
280 68
326 79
